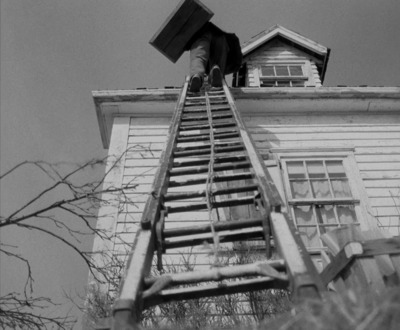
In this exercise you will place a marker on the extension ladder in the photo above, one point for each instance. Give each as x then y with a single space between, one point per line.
220 158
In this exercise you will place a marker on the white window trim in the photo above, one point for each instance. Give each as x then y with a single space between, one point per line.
305 64
305 77
363 208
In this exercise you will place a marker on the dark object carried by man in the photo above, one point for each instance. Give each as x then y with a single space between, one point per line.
180 27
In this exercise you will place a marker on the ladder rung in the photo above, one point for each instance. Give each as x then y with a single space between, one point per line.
204 169
217 192
246 200
218 101
219 178
232 236
204 109
205 118
201 144
217 289
218 226
206 137
197 125
204 161
185 128
201 97
215 131
217 96
202 112
207 151
214 100
208 146
195 102
270 268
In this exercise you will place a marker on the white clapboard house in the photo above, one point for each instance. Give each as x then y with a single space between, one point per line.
333 152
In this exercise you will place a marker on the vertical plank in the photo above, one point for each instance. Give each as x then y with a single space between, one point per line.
108 213
368 220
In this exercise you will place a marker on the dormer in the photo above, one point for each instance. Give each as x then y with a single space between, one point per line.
279 57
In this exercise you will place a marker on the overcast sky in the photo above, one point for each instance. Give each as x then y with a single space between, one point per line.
55 52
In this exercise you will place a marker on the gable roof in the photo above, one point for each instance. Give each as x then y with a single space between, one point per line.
292 38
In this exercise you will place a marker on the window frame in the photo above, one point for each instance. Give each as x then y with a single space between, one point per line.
359 197
280 79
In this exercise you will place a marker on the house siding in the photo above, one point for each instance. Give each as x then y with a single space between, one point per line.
376 143
375 140
145 141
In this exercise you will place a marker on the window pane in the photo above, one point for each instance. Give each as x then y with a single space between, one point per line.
282 70
267 71
300 189
326 214
346 214
309 235
335 169
315 169
320 189
295 70
325 229
304 215
341 188
296 170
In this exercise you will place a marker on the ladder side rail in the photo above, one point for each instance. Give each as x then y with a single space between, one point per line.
128 306
152 210
304 277
305 280
269 191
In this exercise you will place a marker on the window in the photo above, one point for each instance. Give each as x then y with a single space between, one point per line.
319 197
282 76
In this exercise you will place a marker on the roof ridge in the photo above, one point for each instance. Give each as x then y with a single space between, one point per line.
257 41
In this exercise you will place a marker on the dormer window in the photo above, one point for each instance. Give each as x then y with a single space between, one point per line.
278 75
279 57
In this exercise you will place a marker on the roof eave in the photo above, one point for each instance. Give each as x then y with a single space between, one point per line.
133 103
290 35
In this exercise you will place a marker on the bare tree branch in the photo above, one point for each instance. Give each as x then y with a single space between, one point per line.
78 198
29 279
17 312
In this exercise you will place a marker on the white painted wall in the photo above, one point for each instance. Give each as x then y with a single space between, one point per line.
375 140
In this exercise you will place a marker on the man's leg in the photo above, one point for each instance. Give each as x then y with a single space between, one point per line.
218 53
218 56
199 56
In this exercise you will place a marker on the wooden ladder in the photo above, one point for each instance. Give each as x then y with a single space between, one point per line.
208 145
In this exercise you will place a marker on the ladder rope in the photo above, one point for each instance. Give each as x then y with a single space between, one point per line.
210 177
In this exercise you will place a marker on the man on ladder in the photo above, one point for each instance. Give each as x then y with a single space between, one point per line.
215 53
